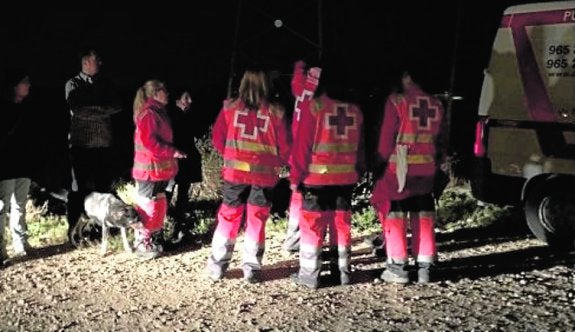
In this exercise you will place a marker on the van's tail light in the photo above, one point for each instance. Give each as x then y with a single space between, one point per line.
479 145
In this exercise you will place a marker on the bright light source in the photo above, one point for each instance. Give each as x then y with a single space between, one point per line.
278 23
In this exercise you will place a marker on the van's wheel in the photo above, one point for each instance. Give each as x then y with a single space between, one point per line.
550 211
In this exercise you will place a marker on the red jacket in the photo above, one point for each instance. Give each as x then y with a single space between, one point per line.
414 119
328 148
303 86
254 144
153 151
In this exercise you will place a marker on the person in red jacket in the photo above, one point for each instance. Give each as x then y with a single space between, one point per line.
154 164
303 86
327 158
251 135
411 146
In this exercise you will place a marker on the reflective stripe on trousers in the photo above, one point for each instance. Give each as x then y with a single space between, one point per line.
342 234
423 240
312 227
224 239
254 240
293 232
340 259
423 235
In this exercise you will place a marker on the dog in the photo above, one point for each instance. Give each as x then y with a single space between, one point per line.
107 210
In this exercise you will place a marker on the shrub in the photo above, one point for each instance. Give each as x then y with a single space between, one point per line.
211 186
44 227
458 209
365 220
126 191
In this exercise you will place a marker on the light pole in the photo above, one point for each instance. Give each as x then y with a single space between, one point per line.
234 49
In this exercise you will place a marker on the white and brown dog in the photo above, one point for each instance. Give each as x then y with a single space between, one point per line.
107 210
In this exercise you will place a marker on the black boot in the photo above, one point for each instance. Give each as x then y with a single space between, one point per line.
339 275
182 232
307 282
376 242
395 273
423 272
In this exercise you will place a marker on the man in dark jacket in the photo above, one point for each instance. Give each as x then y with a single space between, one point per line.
190 168
92 102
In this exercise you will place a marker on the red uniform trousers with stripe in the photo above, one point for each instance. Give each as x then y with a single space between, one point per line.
325 206
419 211
152 206
241 199
291 242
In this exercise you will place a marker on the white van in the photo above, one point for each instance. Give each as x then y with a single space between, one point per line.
525 136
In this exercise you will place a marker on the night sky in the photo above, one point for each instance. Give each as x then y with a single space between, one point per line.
192 45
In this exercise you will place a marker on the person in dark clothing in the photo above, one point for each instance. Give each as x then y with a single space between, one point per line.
92 101
190 168
16 149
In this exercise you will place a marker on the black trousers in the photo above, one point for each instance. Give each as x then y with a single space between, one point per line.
92 172
414 204
238 194
327 198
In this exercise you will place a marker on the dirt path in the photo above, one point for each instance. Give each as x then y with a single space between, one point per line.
489 279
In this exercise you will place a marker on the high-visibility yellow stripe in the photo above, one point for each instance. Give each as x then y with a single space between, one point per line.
247 167
252 147
329 147
413 138
414 159
324 169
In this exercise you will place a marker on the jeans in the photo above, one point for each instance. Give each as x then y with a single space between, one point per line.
14 194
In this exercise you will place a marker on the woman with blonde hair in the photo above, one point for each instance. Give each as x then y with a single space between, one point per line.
154 164
251 135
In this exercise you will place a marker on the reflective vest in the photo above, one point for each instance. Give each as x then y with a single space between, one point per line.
336 143
420 118
251 153
153 151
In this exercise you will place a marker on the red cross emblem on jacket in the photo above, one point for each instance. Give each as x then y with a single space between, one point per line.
340 120
424 112
250 123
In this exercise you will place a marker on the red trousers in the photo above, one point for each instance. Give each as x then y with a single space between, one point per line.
419 211
152 212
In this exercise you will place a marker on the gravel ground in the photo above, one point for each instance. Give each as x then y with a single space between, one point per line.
489 279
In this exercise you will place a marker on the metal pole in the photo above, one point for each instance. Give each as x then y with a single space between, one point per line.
234 50
449 106
320 28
